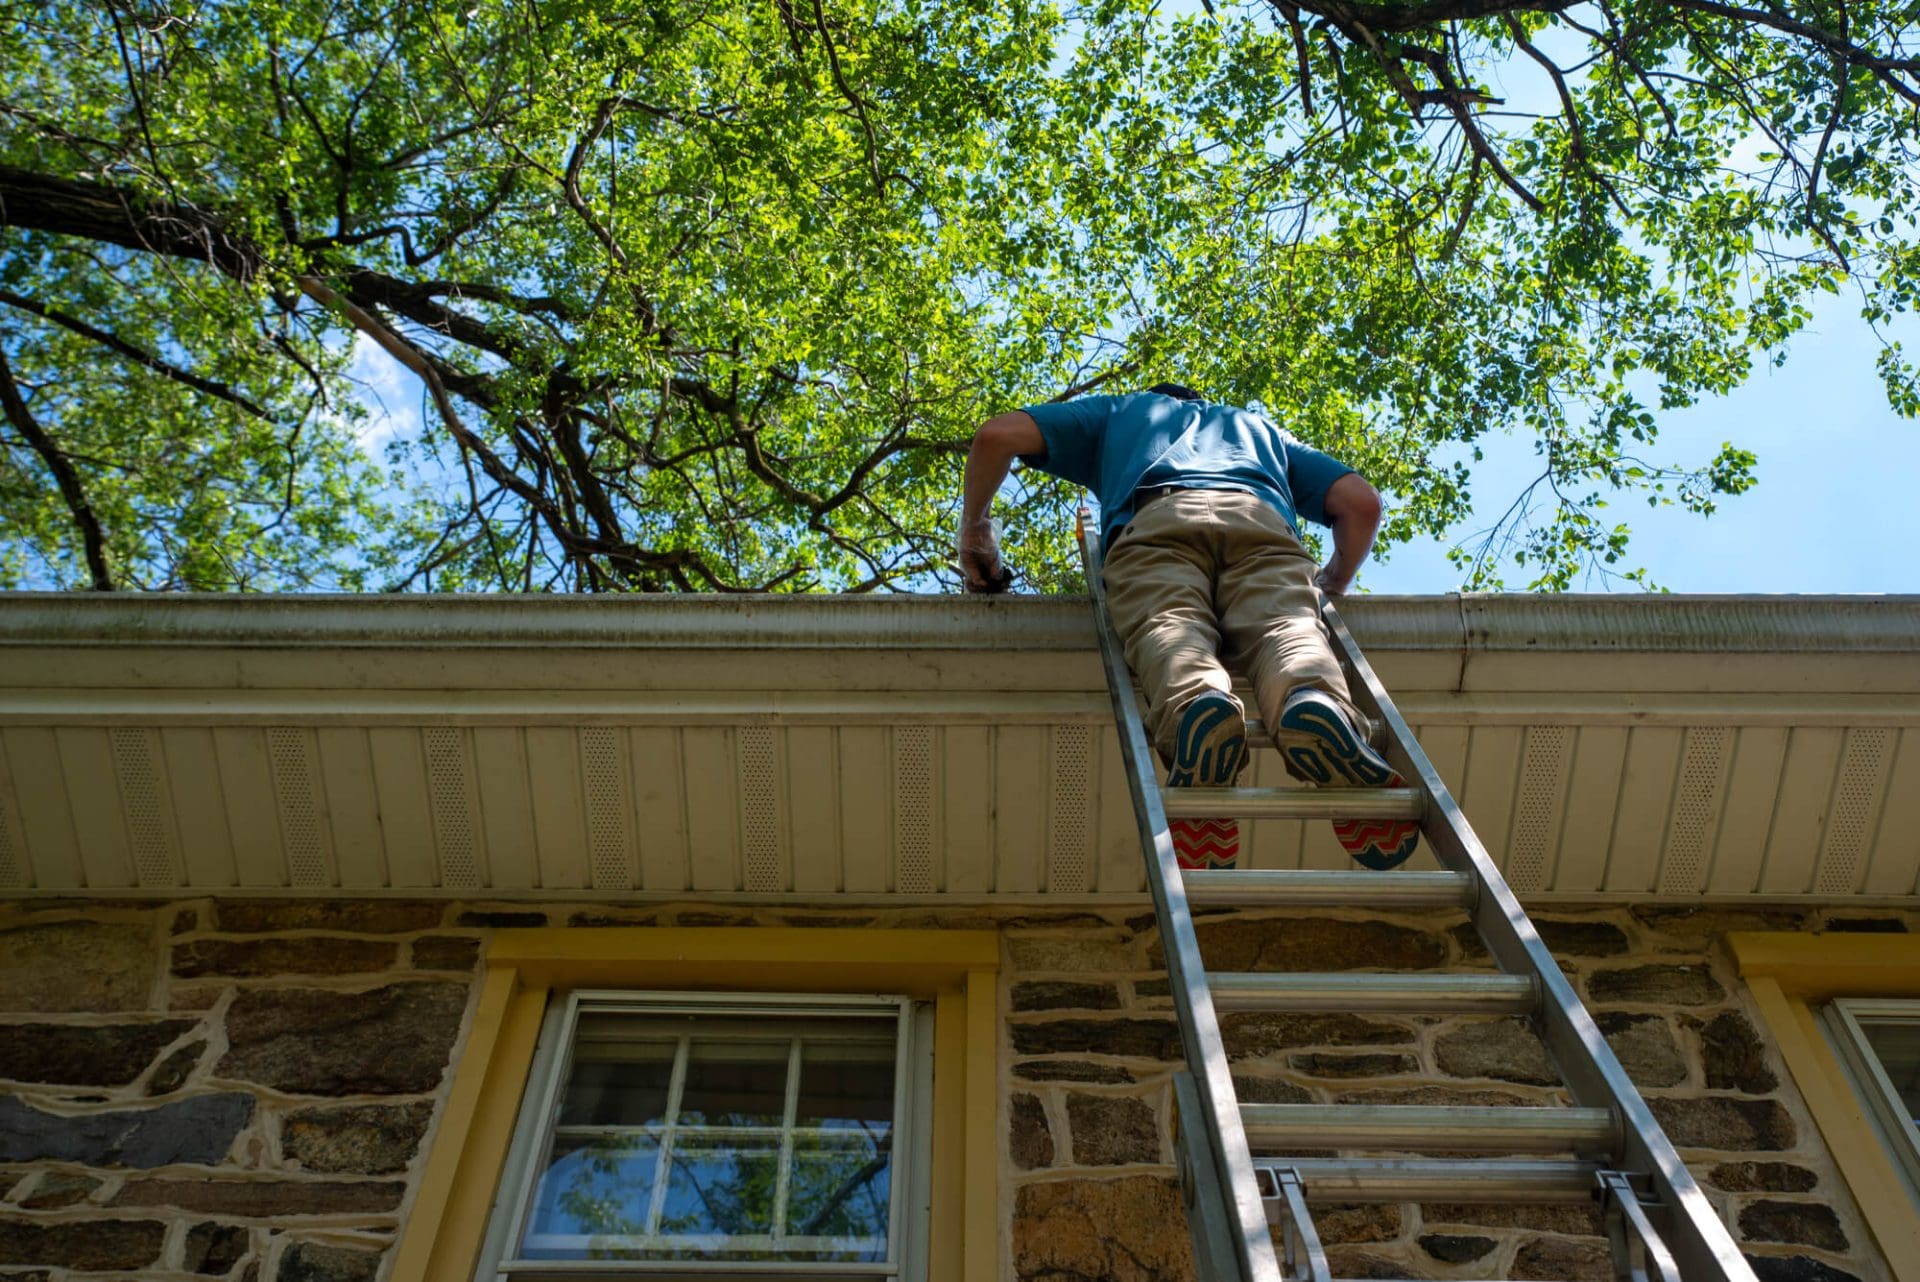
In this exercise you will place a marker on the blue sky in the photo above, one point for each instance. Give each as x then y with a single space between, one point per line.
1835 509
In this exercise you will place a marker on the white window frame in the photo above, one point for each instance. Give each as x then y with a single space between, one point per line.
910 1177
1885 1111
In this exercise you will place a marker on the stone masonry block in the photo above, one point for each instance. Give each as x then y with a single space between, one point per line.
348 916
78 966
388 1041
446 952
61 1054
1078 954
1311 943
1137 1038
1733 1056
361 1139
90 1246
199 1130
1030 1141
298 955
1456 1248
1132 1229
1049 994
1505 1049
1801 1223
57 1189
1254 1033
1112 1130
1730 1125
264 1199
1071 1070
319 1262
1762 1177
1553 1259
1659 985
1645 1046
213 1249
1797 1268
1577 938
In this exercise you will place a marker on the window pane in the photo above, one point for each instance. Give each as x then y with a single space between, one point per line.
735 1084
840 1190
620 1077
1897 1044
721 1187
591 1188
717 1135
846 1085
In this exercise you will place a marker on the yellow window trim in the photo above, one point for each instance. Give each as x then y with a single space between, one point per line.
955 969
1787 974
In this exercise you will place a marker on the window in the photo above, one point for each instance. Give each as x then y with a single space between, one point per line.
1878 1040
679 1134
1800 983
944 1207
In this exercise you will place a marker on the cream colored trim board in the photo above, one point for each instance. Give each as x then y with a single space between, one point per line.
1786 973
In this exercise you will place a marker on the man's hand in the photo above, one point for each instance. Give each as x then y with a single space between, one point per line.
1330 584
1353 510
979 554
999 441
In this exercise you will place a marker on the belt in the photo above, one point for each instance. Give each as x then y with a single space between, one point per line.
1149 493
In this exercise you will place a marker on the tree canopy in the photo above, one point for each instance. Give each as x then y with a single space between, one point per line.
709 295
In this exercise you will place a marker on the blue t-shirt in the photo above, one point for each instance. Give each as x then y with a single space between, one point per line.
1114 445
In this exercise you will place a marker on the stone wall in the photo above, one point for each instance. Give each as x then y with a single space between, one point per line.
239 1090
247 1089
1091 1043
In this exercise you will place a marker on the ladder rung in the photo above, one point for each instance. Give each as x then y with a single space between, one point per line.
1301 886
1424 1127
1388 1179
1293 803
1417 993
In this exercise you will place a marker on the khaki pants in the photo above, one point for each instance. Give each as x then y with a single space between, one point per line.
1205 575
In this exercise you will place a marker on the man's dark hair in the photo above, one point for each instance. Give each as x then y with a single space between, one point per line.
1177 391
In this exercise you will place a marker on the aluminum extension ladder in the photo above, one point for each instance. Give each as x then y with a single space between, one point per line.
1660 1226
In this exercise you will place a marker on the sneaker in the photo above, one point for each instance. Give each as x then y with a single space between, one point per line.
1210 747
1209 751
1320 746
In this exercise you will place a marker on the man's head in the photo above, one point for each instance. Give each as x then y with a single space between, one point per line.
1177 391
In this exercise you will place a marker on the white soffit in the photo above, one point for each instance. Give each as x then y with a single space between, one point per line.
918 748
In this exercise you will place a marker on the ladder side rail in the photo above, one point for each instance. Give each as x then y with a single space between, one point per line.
1206 1198
1186 974
1699 1240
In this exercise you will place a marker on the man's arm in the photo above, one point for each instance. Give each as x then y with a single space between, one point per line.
1353 510
1000 440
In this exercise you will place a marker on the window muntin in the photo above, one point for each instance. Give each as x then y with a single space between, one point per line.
1878 1041
715 1132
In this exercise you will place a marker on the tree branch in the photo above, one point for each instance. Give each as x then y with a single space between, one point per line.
75 494
135 354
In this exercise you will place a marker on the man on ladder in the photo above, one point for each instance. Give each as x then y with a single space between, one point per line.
1197 508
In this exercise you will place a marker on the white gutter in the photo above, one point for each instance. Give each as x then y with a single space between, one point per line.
1472 623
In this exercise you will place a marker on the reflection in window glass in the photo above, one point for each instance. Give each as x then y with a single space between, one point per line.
846 1084
721 1137
592 1187
1896 1043
1878 1042
840 1190
735 1083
